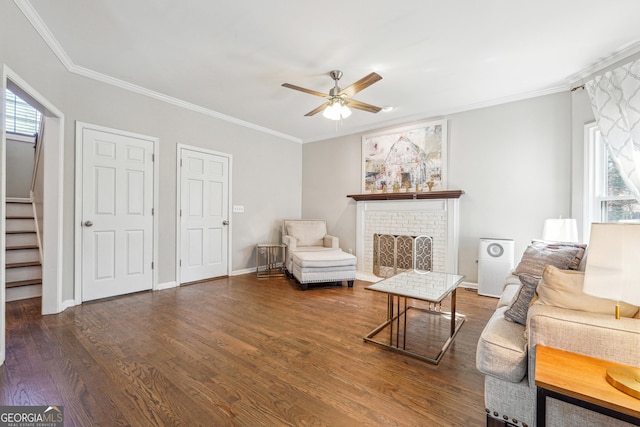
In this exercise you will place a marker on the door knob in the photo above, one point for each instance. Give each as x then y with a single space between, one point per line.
88 223
225 222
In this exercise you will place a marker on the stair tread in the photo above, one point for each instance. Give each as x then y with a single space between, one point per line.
20 231
23 283
23 264
17 248
19 217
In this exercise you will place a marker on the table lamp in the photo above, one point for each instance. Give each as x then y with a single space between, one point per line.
613 272
560 230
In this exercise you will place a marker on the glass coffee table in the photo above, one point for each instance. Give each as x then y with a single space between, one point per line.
434 329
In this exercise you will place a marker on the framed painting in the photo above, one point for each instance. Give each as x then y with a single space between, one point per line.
412 158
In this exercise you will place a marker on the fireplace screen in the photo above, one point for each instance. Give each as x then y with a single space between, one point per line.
395 253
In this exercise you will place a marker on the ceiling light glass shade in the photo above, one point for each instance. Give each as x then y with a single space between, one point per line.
336 110
345 112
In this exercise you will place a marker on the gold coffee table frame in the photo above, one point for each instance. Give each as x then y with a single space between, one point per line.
432 287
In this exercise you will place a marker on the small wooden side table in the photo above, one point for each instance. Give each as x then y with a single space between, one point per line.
270 260
581 381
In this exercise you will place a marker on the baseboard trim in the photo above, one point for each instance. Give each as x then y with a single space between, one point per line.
469 285
67 304
243 271
165 285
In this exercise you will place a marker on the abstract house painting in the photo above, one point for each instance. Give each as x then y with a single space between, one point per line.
405 159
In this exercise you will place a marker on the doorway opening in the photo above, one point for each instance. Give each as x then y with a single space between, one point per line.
51 200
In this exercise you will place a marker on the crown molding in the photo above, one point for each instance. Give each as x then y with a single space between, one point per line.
601 65
38 24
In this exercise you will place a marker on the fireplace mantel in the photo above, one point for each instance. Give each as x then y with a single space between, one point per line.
448 194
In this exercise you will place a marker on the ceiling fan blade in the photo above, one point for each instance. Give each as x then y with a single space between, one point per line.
301 89
317 110
362 106
361 84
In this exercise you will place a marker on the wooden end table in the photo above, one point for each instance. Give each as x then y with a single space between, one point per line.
581 381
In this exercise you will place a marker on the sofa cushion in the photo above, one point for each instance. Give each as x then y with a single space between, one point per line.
502 349
563 288
517 311
307 232
539 254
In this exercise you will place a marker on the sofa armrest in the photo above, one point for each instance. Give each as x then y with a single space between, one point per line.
331 242
591 334
290 241
291 245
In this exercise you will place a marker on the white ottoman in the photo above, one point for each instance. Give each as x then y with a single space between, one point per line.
324 267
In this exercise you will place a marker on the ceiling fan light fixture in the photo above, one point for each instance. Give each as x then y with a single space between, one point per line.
336 110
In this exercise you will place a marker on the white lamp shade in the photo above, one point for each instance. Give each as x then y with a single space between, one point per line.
613 262
560 230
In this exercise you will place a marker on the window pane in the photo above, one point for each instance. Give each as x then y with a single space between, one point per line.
620 210
20 117
615 184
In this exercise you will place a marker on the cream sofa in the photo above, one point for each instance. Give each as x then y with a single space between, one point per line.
560 316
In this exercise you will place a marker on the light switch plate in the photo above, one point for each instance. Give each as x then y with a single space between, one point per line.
238 208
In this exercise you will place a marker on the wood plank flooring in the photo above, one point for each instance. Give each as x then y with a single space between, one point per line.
237 352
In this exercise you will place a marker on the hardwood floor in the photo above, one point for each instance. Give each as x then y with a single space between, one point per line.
237 352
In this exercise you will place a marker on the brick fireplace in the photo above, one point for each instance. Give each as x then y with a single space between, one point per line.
431 214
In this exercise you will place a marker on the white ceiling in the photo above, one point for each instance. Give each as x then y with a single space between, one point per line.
435 57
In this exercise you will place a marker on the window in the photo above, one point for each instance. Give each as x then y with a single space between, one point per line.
608 199
20 117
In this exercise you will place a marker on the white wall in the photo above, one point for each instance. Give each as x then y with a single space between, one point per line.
20 158
266 169
513 161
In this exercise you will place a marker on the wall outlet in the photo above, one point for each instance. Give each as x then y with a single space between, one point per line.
238 208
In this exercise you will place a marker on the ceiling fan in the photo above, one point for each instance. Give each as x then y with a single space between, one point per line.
339 100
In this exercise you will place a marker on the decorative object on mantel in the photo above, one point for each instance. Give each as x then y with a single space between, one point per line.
408 157
446 194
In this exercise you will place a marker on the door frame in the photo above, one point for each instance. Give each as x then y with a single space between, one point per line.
229 157
53 249
80 127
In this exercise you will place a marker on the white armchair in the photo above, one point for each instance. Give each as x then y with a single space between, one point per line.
306 235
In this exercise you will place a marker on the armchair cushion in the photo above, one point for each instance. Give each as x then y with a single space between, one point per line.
307 233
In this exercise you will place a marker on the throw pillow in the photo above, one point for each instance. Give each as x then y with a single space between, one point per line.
539 254
563 288
517 313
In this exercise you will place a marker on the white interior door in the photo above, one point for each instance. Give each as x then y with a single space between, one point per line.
117 214
204 206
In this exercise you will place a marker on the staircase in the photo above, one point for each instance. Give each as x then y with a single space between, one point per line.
23 267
